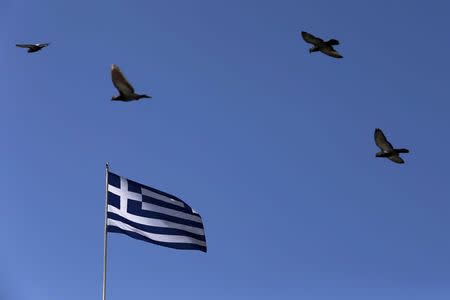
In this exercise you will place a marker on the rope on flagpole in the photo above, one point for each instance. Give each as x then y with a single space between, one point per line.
105 239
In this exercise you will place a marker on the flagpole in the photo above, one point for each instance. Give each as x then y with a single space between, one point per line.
105 239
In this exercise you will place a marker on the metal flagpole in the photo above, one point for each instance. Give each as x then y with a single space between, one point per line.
105 241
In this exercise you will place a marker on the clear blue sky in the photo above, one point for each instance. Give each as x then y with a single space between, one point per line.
273 146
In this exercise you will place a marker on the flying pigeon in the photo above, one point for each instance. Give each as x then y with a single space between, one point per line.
126 90
33 47
386 148
321 45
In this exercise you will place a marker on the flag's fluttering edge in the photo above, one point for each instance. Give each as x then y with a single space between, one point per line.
148 214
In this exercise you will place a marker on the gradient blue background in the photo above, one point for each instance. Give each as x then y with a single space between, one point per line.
272 145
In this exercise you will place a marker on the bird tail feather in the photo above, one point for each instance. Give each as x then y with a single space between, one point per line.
402 150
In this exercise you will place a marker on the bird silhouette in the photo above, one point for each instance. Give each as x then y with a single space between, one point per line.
126 90
33 47
387 150
321 45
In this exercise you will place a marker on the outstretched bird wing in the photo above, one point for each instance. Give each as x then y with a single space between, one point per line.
309 38
24 45
43 45
120 82
396 159
382 142
330 51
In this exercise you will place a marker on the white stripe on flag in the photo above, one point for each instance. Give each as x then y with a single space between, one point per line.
160 197
155 222
170 212
157 237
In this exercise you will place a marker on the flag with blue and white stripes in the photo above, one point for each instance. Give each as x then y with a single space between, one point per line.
148 214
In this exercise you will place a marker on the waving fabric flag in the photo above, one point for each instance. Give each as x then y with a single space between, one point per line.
148 214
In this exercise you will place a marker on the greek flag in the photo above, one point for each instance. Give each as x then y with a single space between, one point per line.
147 214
